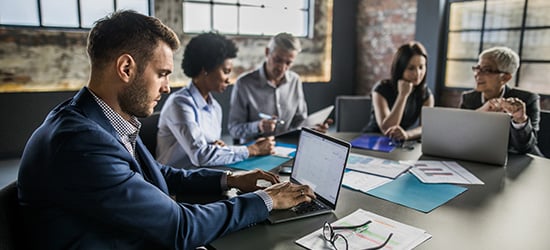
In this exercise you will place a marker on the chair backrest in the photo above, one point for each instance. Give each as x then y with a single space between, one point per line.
352 113
543 136
148 132
9 217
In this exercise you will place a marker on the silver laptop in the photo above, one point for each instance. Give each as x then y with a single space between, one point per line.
320 163
465 134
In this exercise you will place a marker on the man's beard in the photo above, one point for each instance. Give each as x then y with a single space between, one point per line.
134 100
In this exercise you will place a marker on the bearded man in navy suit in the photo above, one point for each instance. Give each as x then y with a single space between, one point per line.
86 180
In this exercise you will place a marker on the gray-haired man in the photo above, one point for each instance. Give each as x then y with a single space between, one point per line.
272 90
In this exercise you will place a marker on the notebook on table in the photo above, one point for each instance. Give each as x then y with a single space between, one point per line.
320 163
318 117
465 134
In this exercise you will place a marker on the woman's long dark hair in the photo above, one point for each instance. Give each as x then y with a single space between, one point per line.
401 60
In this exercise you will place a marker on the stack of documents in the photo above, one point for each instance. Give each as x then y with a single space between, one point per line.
428 186
371 235
377 166
371 172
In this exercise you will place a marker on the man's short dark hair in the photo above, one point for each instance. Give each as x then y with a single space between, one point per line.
207 51
128 32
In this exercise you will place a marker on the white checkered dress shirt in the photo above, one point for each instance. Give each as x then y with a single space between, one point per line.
127 130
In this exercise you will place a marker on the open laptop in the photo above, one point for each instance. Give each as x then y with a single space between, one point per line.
465 134
320 163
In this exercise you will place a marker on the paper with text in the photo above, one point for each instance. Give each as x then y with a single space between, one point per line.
377 166
363 182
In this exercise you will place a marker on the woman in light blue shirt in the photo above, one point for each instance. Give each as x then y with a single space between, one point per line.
190 123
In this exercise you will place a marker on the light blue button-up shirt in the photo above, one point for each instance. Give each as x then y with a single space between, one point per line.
188 127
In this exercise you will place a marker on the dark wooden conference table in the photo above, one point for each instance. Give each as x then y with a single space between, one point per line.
511 211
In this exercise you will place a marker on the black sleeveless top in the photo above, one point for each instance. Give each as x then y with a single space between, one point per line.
413 107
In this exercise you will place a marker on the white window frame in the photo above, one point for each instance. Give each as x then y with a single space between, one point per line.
210 18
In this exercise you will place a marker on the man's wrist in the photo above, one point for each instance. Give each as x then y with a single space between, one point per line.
521 120
268 201
225 182
519 125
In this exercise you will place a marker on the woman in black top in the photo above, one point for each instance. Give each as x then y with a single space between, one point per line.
397 102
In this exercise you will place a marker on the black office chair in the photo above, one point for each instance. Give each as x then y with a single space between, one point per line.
9 218
543 136
148 132
352 113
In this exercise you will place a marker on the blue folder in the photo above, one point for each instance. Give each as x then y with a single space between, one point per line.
373 142
408 191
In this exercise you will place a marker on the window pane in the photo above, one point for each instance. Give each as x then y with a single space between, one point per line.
254 2
93 10
536 44
538 13
295 22
225 18
501 38
250 23
141 6
292 21
466 15
196 17
504 14
19 12
534 77
225 1
63 13
459 74
463 45
290 4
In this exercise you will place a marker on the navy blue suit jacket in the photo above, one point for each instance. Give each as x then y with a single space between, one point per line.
522 140
79 188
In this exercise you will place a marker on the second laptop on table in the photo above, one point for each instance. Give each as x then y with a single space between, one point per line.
465 134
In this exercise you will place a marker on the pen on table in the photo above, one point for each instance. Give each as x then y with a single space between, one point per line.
269 117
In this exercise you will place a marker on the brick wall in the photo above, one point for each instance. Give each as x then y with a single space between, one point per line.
56 60
382 26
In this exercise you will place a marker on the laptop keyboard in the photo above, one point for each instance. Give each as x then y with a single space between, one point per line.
307 207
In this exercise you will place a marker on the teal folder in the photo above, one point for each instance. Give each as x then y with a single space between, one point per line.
408 191
266 162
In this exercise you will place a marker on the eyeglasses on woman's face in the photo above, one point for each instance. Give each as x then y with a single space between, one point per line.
485 71
339 242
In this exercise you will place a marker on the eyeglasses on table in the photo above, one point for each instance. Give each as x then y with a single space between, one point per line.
339 242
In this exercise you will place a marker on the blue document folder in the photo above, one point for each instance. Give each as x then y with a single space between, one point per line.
408 191
373 142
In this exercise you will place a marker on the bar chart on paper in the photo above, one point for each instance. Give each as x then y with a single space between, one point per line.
443 172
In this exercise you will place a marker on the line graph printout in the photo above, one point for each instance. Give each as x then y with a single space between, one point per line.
443 172
373 234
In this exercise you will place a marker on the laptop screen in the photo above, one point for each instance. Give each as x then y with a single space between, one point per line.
320 162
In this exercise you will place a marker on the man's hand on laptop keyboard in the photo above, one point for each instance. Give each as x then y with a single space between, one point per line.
286 195
247 181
